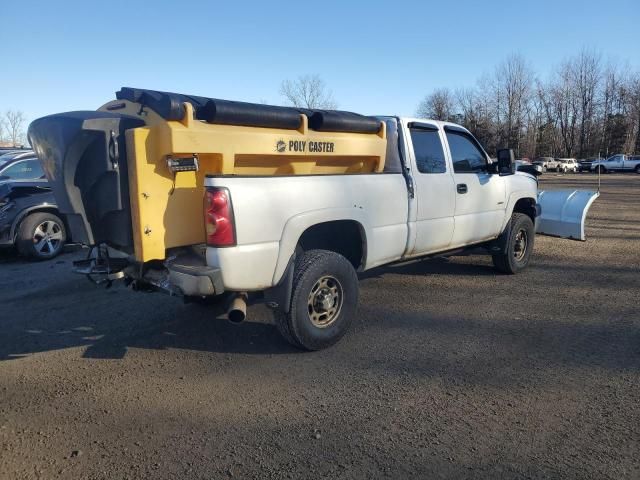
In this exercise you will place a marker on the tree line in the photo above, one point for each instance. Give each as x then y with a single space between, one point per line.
586 108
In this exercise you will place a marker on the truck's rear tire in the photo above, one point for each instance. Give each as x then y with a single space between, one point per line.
323 301
41 236
519 245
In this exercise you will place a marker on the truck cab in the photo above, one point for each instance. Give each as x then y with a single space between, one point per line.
459 197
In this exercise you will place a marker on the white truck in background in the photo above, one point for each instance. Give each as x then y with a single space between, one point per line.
617 163
293 241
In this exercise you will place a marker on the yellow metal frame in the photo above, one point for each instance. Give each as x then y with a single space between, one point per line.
167 208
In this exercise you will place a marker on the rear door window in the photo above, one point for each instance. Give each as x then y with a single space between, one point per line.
428 151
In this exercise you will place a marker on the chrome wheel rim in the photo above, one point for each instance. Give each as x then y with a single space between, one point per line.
520 245
47 237
325 301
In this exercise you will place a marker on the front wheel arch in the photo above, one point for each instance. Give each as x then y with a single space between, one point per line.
515 255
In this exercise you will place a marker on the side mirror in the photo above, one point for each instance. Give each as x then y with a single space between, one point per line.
506 161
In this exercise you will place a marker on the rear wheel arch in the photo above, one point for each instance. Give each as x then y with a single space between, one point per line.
322 303
302 224
345 237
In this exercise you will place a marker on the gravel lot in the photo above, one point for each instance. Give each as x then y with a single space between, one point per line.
451 371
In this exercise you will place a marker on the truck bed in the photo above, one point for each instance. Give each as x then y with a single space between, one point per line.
271 213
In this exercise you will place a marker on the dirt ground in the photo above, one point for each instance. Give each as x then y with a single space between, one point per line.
450 371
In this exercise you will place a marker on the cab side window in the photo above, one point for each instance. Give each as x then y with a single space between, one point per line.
428 151
466 156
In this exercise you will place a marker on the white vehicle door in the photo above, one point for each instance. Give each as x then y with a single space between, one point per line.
480 196
435 189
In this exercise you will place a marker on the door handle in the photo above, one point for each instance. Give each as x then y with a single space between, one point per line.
461 187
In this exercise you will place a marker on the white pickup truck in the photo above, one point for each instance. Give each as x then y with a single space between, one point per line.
617 163
294 241
315 232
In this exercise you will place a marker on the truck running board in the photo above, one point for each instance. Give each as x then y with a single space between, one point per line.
564 212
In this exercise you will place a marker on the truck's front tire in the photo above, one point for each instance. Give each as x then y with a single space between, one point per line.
519 245
323 300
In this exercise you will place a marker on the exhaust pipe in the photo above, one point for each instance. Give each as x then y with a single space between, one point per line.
238 308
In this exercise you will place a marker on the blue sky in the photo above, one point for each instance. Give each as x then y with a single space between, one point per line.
377 57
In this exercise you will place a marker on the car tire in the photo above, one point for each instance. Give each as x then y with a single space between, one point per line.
323 301
638 169
519 245
601 170
41 236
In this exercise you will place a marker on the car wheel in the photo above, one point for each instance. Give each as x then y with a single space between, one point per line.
601 170
41 236
323 301
544 169
638 169
519 245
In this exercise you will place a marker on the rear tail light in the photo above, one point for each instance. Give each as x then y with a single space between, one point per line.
218 218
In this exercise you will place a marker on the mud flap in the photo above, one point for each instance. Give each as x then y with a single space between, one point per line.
564 212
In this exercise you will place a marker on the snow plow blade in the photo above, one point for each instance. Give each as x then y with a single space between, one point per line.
564 212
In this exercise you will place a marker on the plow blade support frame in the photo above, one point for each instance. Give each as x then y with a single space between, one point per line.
564 212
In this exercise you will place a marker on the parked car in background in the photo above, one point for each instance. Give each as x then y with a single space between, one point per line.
528 167
21 166
543 162
566 165
30 220
554 164
8 154
585 165
618 163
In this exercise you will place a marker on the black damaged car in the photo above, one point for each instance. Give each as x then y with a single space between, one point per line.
30 220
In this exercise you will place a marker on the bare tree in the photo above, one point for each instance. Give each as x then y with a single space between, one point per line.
308 91
634 137
438 105
587 74
14 126
513 84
